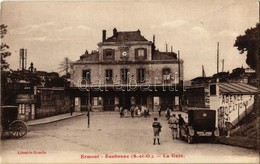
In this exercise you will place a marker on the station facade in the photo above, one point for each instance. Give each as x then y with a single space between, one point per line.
126 70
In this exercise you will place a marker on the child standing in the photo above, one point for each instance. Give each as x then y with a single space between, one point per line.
156 130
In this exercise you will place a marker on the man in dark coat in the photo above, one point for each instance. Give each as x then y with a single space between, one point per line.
71 109
132 110
121 112
168 113
181 123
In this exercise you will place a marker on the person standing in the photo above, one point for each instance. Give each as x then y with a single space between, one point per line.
136 110
168 112
71 109
145 111
139 112
142 110
132 110
156 130
173 124
121 112
181 123
159 111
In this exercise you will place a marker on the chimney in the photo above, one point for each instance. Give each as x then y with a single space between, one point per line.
153 39
166 47
114 32
23 58
104 36
139 32
171 49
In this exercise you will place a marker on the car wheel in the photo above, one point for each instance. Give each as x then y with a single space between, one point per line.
190 139
213 140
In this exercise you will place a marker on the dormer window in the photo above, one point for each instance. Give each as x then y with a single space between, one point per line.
166 74
86 76
108 54
140 53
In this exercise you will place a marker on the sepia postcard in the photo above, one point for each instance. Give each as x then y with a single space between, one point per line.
131 81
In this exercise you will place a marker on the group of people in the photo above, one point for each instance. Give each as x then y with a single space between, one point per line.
174 124
135 111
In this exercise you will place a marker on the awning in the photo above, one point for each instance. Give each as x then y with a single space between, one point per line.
237 88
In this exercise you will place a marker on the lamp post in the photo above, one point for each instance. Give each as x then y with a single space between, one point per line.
89 105
180 82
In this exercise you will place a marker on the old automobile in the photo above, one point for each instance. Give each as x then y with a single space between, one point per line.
201 123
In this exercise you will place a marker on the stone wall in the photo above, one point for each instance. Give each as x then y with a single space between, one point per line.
52 101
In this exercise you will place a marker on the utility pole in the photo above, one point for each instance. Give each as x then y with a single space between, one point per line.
89 105
222 65
218 58
181 87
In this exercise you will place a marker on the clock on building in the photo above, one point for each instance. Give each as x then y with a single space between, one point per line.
124 53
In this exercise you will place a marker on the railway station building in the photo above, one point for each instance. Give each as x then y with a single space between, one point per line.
126 70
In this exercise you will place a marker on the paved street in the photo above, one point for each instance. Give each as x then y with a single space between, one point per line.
112 139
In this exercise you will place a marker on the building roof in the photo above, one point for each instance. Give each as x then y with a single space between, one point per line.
201 80
164 55
93 56
126 36
237 88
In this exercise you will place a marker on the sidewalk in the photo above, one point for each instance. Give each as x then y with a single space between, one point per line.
75 114
53 118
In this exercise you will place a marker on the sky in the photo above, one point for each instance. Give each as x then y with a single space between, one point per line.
53 30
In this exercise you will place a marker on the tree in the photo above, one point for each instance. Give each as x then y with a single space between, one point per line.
250 42
4 48
65 66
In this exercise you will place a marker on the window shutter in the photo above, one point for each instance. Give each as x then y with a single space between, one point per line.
122 74
136 54
113 54
139 75
145 53
104 55
143 74
89 74
136 75
83 74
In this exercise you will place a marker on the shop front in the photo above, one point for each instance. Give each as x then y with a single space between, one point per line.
26 106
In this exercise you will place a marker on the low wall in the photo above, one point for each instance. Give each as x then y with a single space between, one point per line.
239 141
52 102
